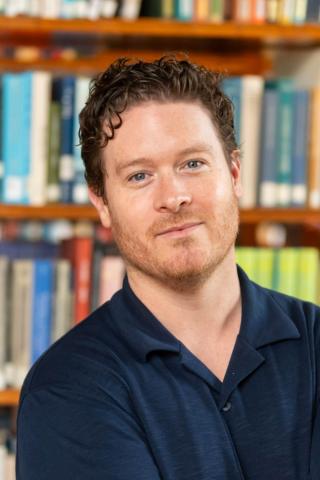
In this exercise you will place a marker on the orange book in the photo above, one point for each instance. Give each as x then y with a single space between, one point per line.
314 151
258 11
201 10
79 252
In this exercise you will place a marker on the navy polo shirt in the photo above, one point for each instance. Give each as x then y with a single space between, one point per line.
120 398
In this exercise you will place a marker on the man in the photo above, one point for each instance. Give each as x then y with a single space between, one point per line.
191 371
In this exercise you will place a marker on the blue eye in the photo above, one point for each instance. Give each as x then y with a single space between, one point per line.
194 164
137 177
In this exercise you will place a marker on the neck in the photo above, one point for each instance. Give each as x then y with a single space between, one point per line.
212 309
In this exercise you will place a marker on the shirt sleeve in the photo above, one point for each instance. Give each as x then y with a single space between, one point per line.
65 433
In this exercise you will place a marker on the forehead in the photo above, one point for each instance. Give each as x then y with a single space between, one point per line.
152 127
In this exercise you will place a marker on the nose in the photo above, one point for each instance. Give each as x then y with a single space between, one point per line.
171 195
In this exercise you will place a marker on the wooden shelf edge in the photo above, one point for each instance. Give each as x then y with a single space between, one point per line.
9 397
87 212
160 27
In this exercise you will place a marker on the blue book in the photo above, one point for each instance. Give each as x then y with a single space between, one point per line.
16 120
267 167
66 173
28 250
232 88
284 141
300 129
42 304
183 9
313 11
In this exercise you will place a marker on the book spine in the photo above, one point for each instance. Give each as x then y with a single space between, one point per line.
232 88
40 100
284 142
267 175
313 9
300 13
201 10
183 9
53 187
314 153
130 9
167 9
62 312
80 190
252 93
216 11
300 131
41 307
4 319
66 173
16 119
287 271
308 275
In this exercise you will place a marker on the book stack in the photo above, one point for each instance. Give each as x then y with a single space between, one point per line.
276 126
249 11
45 289
291 270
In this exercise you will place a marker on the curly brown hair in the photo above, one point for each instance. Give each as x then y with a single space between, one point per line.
126 83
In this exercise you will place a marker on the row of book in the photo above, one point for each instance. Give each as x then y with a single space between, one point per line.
45 289
255 11
291 270
276 126
39 147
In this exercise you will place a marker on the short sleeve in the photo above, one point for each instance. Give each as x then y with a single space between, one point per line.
65 433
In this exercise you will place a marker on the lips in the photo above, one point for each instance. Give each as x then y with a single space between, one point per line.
179 228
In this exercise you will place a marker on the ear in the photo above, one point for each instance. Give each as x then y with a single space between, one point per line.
101 207
235 169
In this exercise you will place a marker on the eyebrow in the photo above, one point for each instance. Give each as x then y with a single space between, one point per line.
198 148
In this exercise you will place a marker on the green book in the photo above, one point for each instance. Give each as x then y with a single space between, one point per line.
264 267
216 10
167 9
286 271
53 189
246 259
308 275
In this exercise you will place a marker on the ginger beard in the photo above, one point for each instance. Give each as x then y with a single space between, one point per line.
180 263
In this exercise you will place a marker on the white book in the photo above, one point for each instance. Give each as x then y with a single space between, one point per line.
16 7
81 9
62 310
80 189
130 9
108 8
288 11
250 120
300 11
50 8
21 302
40 103
35 8
68 8
112 270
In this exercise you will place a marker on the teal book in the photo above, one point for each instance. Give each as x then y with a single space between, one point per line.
16 132
284 141
232 88
268 162
183 9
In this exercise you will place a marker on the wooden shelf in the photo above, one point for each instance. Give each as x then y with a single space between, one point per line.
48 212
281 215
233 64
9 398
143 27
87 212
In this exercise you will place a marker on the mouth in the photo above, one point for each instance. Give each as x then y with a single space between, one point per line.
180 230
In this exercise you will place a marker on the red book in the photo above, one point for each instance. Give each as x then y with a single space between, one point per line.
79 252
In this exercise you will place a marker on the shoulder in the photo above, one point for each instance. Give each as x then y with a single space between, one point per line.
88 356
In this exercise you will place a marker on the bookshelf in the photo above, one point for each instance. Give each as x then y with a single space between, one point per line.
238 48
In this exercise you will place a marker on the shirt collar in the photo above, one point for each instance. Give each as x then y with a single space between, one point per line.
264 320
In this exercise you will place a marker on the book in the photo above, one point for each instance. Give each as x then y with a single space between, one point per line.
53 153
79 252
308 275
232 88
268 149
300 12
250 128
40 101
79 187
201 10
216 10
41 306
62 314
183 9
66 172
16 117
284 141
314 155
4 319
300 129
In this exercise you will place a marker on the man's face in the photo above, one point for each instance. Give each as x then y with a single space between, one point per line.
165 170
